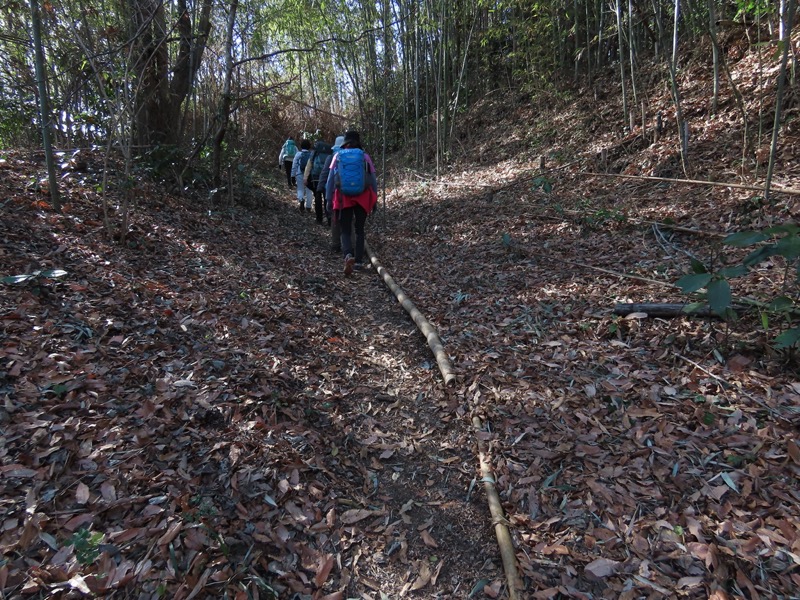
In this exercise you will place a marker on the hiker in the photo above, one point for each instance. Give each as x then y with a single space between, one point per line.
353 186
311 176
333 222
285 158
304 195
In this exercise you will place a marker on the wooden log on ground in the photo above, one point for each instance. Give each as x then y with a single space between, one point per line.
664 310
425 326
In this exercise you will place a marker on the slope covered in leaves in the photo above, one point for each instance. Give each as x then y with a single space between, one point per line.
638 457
212 408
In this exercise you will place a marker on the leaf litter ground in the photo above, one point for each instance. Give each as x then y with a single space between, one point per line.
226 410
211 408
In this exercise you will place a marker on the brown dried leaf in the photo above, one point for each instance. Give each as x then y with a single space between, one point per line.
428 539
82 493
324 570
794 451
601 568
424 577
355 515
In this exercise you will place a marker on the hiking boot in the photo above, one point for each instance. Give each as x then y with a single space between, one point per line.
358 267
349 261
301 208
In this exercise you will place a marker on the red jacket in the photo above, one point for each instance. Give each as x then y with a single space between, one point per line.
366 199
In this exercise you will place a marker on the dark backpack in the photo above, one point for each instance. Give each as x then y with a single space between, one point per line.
351 171
321 154
290 149
304 156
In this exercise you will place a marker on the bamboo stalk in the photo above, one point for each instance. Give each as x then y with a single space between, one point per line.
739 186
428 330
499 520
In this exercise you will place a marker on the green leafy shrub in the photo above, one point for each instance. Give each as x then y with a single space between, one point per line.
781 240
87 546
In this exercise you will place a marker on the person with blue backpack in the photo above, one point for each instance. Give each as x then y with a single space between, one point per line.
332 221
311 176
304 195
353 187
286 157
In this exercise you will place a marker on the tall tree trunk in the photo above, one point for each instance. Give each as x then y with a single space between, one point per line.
193 37
44 105
226 100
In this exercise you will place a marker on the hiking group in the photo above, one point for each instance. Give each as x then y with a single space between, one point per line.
340 183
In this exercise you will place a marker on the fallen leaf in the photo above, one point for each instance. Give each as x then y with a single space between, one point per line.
355 515
601 568
423 578
324 569
428 539
794 451
82 493
493 590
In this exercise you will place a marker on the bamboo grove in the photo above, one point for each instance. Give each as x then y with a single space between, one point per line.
202 83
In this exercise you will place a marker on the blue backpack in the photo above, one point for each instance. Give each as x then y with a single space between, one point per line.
304 156
290 149
351 171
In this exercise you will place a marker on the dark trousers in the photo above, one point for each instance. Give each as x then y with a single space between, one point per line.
319 202
347 216
287 165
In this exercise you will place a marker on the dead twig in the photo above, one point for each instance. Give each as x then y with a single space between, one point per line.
727 385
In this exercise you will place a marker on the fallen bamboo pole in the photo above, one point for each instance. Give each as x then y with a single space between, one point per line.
738 186
498 519
428 330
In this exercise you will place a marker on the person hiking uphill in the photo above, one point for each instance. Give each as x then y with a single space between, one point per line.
285 158
313 173
333 222
353 186
304 195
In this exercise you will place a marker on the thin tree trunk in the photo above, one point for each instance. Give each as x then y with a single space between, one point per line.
712 26
618 12
226 100
632 57
459 83
673 72
787 17
417 141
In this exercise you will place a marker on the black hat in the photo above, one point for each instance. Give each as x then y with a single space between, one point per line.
352 138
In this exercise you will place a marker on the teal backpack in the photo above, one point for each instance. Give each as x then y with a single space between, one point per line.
321 154
290 149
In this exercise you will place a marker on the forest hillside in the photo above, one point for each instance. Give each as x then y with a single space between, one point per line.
200 404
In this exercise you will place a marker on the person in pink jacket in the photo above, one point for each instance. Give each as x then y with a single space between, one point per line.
356 207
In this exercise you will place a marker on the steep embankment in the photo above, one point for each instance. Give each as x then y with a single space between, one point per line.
635 455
